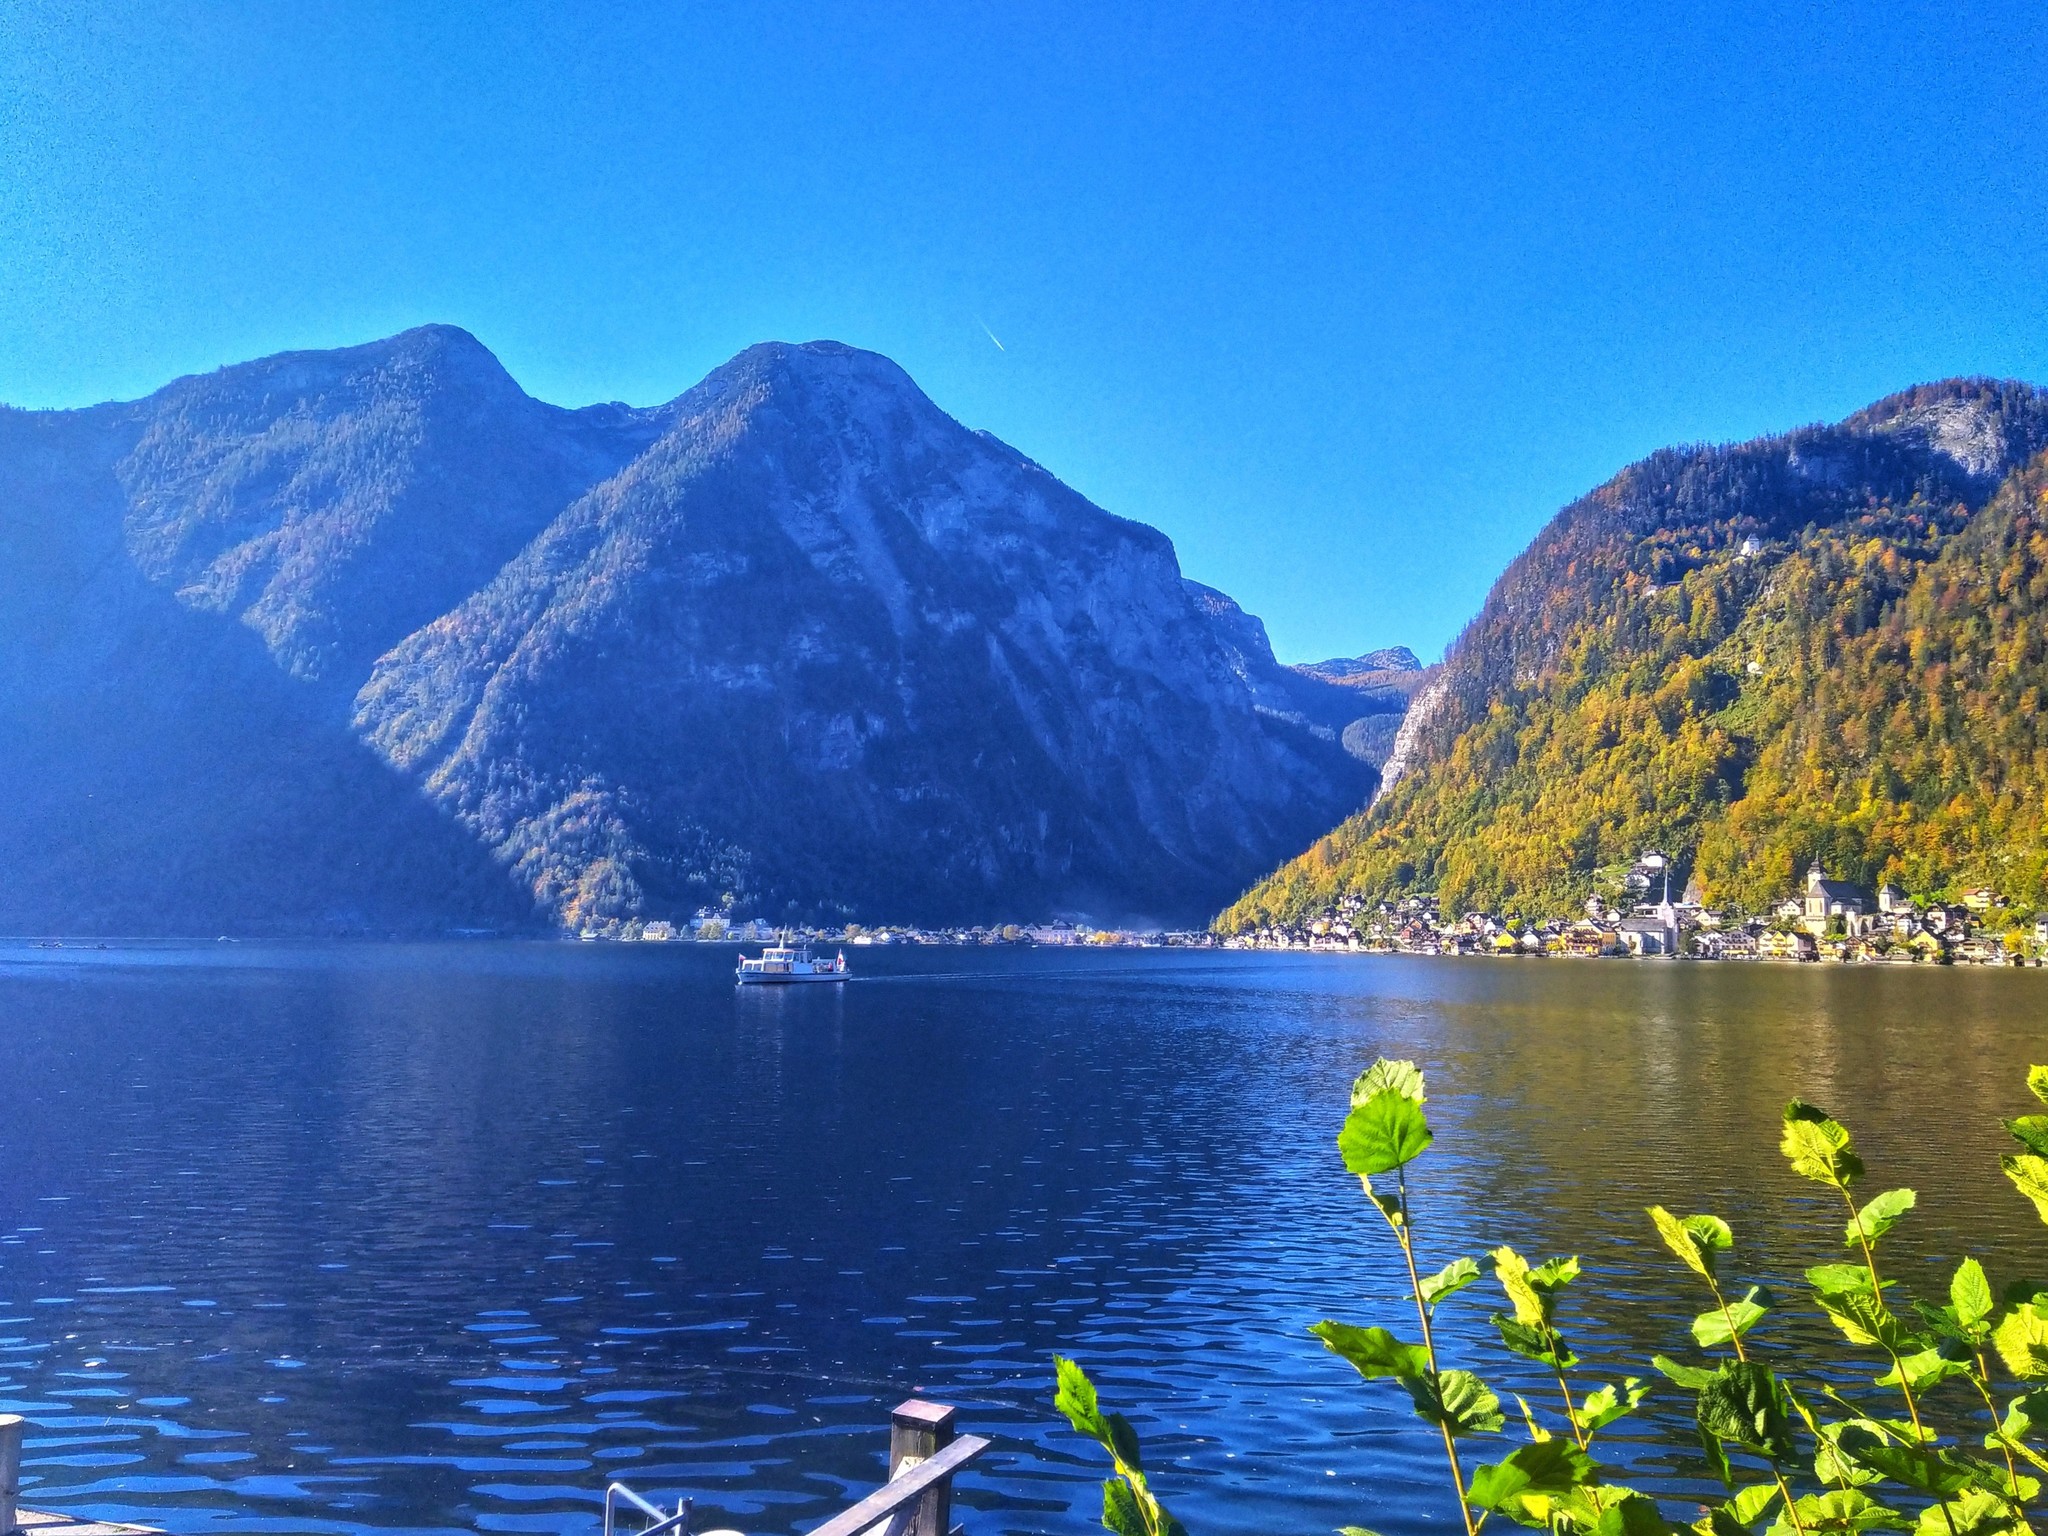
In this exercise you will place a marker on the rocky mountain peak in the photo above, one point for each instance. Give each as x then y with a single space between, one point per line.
1988 427
1393 658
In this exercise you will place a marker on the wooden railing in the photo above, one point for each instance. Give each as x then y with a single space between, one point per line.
11 1425
924 1453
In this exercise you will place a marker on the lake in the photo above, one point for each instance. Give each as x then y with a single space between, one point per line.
443 1237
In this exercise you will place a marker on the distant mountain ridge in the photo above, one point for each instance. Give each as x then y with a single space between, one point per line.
1825 644
1395 658
370 640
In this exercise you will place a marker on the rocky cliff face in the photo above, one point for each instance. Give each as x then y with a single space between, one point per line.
370 639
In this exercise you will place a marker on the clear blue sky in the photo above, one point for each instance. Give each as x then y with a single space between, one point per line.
1347 301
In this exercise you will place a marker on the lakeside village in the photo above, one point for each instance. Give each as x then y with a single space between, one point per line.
710 927
1828 920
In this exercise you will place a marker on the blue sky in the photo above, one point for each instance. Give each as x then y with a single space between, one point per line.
1348 300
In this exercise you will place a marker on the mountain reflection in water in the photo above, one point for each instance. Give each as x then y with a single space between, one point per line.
444 1237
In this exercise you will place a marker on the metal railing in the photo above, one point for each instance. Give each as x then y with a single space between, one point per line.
664 1522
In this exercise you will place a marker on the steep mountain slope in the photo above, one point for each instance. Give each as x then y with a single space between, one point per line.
369 640
1823 644
186 584
823 648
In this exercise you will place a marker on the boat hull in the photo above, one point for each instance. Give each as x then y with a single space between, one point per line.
778 979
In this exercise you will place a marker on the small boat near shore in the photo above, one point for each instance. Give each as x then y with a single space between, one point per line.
782 964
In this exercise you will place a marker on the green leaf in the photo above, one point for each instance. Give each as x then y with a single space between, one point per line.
1878 1217
2021 1339
1717 1457
2037 1081
1818 1147
1831 1464
1710 1232
1458 1400
1684 1243
1123 1442
1974 1514
1604 1405
1832 1279
1537 1343
1355 1530
1553 1275
2029 1175
1548 1467
2023 1414
1691 1377
1512 1271
2030 1131
1374 1352
1846 1295
1536 1431
1749 1504
1075 1397
1970 1293
1121 1511
1386 1132
1384 1076
1924 1369
1717 1327
1741 1405
1633 1514
1449 1280
1845 1509
1931 1471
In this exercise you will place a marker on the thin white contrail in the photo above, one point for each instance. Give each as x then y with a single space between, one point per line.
992 336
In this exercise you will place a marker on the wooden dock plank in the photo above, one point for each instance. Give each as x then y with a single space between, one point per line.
40 1522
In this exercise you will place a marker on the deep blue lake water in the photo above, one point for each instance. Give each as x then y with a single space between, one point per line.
440 1238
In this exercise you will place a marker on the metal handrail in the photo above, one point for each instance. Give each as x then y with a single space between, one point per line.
679 1522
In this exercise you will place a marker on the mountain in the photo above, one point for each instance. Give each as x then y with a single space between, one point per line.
1375 691
1395 659
1832 644
370 640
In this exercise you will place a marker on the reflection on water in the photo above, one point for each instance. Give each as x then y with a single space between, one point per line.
442 1238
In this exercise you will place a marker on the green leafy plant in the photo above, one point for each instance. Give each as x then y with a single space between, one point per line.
1923 1448
1128 1507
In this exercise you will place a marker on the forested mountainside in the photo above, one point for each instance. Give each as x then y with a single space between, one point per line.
1831 644
369 640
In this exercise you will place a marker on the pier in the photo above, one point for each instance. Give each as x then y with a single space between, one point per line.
925 1453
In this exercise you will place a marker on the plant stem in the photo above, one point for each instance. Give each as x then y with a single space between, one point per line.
1791 1507
1877 1291
1571 1414
1735 1340
1404 1233
2012 1470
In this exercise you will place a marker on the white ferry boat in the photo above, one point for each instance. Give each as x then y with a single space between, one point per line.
783 963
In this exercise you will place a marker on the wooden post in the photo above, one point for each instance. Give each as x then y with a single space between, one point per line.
10 1473
918 1431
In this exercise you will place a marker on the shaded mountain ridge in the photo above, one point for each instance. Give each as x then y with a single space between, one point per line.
795 643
